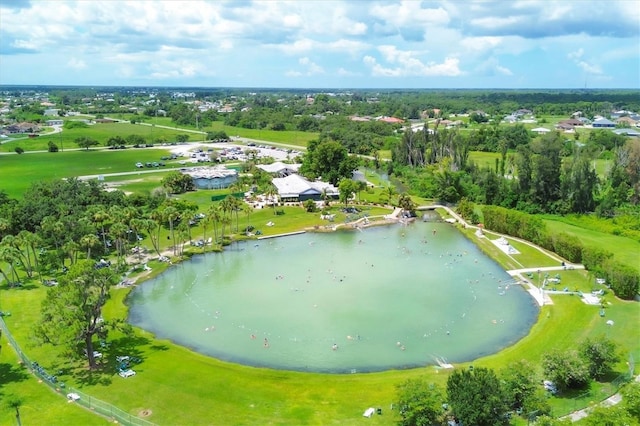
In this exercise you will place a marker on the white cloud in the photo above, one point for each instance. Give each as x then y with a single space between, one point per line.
587 67
406 64
77 64
312 67
346 73
184 42
492 67
409 13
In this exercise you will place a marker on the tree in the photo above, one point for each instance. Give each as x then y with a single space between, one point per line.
310 206
15 403
52 147
328 160
72 310
178 183
631 398
170 214
522 388
86 142
135 140
609 416
476 397
406 203
546 170
599 355
420 403
550 421
89 241
116 141
565 369
347 188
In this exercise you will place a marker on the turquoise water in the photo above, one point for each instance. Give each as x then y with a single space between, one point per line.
385 297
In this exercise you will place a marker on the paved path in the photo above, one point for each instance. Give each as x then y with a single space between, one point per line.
540 296
581 414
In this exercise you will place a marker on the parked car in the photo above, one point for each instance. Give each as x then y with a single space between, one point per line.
139 165
127 373
550 386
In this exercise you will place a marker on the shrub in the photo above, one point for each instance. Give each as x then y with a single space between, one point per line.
19 150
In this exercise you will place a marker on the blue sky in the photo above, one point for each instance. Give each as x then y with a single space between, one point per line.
322 43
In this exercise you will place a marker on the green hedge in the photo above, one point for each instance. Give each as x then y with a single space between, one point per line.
622 279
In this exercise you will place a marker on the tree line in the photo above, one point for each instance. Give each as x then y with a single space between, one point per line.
483 397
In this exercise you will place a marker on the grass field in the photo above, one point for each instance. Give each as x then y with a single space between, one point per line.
180 386
100 132
17 172
626 250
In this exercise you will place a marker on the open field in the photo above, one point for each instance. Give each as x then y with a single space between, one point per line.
626 250
100 132
17 172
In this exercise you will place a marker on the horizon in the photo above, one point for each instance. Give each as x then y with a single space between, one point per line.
334 44
342 89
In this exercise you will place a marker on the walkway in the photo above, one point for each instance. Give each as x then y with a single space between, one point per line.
539 295
581 414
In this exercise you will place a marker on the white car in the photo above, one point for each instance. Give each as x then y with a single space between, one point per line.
127 373
96 354
140 165
550 386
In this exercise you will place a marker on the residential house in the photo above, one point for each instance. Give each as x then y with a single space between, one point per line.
626 121
603 123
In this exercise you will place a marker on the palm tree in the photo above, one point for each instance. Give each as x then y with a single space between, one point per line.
55 228
214 214
17 242
33 241
171 214
70 248
391 191
89 241
4 225
15 402
136 224
2 271
248 210
9 255
225 210
272 195
184 232
100 217
152 227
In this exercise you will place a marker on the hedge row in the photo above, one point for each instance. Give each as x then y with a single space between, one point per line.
623 280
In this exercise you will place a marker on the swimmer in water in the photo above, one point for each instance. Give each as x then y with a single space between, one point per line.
334 347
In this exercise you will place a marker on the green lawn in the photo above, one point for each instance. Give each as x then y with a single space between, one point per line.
100 132
626 250
484 159
181 386
285 137
17 172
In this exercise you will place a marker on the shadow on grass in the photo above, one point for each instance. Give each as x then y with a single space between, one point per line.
11 374
159 347
18 287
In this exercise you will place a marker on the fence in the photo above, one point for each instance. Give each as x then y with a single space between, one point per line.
100 407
